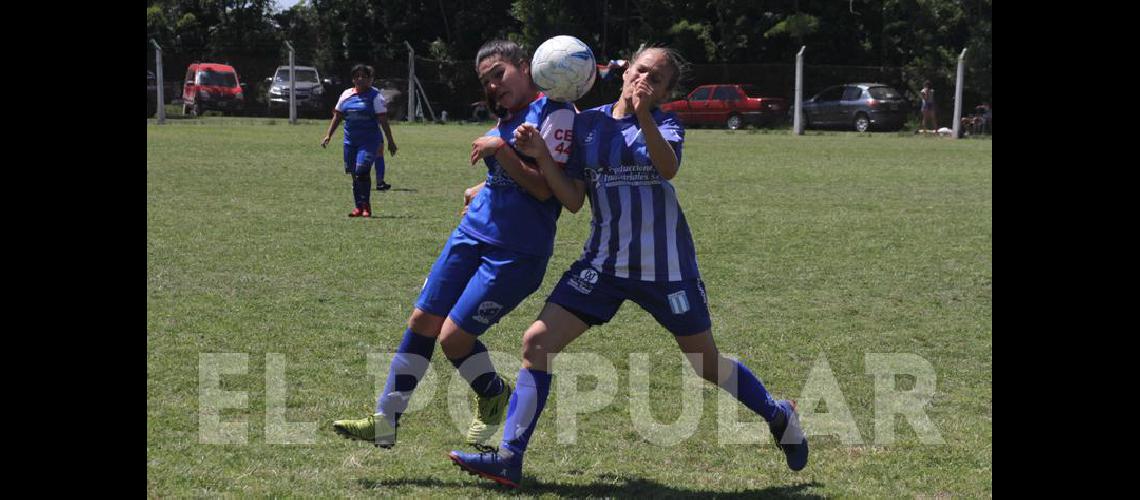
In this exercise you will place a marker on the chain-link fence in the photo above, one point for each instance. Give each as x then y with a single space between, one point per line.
453 86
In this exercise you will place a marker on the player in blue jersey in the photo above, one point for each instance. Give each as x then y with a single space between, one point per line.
640 249
364 112
493 260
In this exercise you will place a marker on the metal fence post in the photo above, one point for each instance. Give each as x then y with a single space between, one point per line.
797 121
292 87
958 95
158 77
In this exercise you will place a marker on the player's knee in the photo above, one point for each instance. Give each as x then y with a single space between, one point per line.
455 342
535 347
711 367
705 370
362 177
425 324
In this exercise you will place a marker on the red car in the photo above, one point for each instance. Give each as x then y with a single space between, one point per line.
729 104
211 86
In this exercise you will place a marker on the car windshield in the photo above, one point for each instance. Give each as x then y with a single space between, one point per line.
221 79
752 91
303 75
884 93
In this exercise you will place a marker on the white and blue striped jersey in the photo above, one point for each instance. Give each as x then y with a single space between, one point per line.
360 124
638 230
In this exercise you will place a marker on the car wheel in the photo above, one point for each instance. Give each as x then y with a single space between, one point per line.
734 122
862 123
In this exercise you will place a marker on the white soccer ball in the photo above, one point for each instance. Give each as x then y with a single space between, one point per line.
563 68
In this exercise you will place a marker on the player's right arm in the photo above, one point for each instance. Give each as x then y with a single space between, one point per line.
570 192
527 177
337 117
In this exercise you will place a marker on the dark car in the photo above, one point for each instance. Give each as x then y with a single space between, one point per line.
729 105
862 106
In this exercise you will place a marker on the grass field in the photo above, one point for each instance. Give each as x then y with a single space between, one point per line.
815 251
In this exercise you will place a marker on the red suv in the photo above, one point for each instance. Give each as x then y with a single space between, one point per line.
211 86
729 104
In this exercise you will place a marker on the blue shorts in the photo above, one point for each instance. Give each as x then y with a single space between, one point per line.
680 306
476 284
359 159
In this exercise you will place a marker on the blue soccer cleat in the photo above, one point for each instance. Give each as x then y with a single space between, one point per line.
500 468
790 436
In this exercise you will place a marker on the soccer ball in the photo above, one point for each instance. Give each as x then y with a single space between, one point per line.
563 68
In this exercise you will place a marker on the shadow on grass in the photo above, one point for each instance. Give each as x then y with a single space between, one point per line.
608 486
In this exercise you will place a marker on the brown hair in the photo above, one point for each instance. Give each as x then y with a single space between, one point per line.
672 58
508 51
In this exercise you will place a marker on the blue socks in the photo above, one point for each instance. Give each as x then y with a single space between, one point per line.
526 405
750 391
477 369
408 367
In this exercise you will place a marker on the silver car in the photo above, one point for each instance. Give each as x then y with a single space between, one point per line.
860 106
310 91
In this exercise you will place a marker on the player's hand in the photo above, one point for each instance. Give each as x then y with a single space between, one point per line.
325 141
642 96
468 195
529 141
392 148
485 146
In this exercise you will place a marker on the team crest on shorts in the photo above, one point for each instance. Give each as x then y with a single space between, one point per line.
487 312
679 302
584 282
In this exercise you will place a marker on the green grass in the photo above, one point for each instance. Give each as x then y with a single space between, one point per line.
830 246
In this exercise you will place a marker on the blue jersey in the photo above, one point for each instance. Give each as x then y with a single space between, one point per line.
503 213
360 124
638 230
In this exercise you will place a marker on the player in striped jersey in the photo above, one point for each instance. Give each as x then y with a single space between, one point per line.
640 249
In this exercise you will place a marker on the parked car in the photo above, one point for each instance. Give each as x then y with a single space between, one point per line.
151 94
212 86
312 91
730 105
861 106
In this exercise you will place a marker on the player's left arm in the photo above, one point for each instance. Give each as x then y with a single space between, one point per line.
380 105
529 177
383 119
